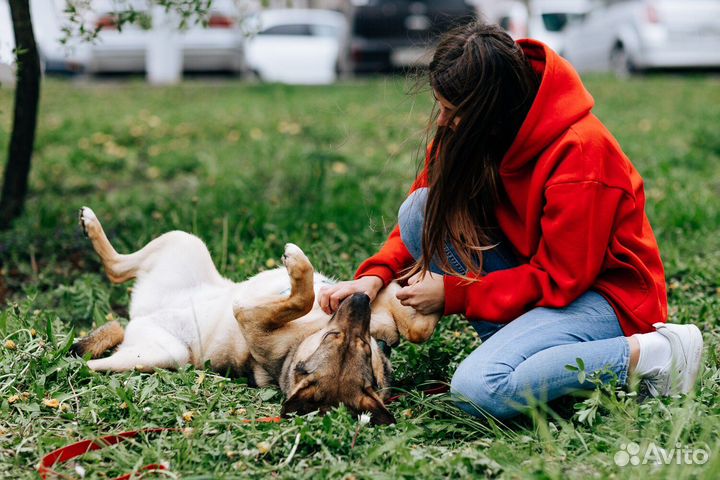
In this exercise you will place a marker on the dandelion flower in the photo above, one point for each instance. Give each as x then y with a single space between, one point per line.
364 419
256 134
10 345
51 402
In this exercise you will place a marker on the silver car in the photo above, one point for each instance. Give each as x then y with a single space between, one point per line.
215 47
636 35
48 18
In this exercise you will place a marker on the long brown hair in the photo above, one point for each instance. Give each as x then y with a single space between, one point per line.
480 70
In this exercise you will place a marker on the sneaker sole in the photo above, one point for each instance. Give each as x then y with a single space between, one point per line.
694 360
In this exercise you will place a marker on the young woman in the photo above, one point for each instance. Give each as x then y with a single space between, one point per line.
530 221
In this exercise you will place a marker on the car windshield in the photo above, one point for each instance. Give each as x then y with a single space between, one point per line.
302 30
556 22
434 4
294 29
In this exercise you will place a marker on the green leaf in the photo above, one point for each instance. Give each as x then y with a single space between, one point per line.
581 363
267 394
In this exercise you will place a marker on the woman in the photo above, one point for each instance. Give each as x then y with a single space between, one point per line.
530 221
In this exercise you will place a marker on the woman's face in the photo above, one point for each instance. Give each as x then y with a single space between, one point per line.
447 110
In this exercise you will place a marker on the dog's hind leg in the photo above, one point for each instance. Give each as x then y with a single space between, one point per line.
269 314
157 350
119 268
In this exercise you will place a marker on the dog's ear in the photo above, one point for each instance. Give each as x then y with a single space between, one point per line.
370 402
302 399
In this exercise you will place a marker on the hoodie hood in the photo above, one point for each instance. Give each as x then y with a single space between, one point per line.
561 101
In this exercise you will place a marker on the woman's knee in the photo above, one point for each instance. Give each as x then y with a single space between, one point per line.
411 218
484 389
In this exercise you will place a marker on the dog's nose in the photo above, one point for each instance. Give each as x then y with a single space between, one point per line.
360 308
359 300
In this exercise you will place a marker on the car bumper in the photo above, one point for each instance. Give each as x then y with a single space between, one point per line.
211 52
681 53
7 75
383 55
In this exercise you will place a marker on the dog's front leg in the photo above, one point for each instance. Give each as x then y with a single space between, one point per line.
412 325
261 322
269 314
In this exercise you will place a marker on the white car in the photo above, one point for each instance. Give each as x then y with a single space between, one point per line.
635 35
513 18
297 46
7 45
48 18
216 47
544 20
549 20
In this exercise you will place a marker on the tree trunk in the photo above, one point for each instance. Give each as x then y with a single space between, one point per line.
27 95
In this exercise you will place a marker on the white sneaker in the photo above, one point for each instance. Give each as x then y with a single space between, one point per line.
679 375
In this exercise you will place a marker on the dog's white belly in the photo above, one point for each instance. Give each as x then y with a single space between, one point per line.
200 316
200 319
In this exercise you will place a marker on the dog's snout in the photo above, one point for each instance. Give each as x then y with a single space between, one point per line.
360 300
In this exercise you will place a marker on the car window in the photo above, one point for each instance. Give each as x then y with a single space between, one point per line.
292 29
504 22
434 4
324 31
556 22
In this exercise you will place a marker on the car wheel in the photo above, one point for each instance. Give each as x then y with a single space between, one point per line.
621 63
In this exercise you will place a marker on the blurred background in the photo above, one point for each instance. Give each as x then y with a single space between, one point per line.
321 41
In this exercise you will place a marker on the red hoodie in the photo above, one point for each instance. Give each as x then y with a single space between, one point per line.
575 215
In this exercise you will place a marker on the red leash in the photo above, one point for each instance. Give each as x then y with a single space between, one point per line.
77 449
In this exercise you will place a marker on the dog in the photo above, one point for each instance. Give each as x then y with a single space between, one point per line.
268 328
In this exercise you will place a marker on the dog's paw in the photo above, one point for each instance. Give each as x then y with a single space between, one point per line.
87 220
295 260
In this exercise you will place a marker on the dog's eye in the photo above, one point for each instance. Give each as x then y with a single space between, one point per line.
335 334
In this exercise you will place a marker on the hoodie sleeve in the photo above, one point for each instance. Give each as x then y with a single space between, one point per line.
393 257
577 223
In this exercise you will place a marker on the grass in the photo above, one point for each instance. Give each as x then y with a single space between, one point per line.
250 167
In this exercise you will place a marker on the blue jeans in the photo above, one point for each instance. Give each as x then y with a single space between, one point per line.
524 360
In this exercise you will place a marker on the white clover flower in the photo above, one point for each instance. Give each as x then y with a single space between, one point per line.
364 419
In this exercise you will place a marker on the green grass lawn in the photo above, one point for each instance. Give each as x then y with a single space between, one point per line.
250 167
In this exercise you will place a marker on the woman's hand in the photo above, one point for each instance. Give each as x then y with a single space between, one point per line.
425 294
330 297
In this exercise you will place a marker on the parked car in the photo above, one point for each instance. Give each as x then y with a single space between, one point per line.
549 19
635 35
513 18
215 47
544 20
389 34
7 45
297 46
48 18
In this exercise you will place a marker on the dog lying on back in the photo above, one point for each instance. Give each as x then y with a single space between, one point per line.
268 328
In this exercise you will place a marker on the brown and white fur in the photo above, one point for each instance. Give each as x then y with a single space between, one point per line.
182 311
